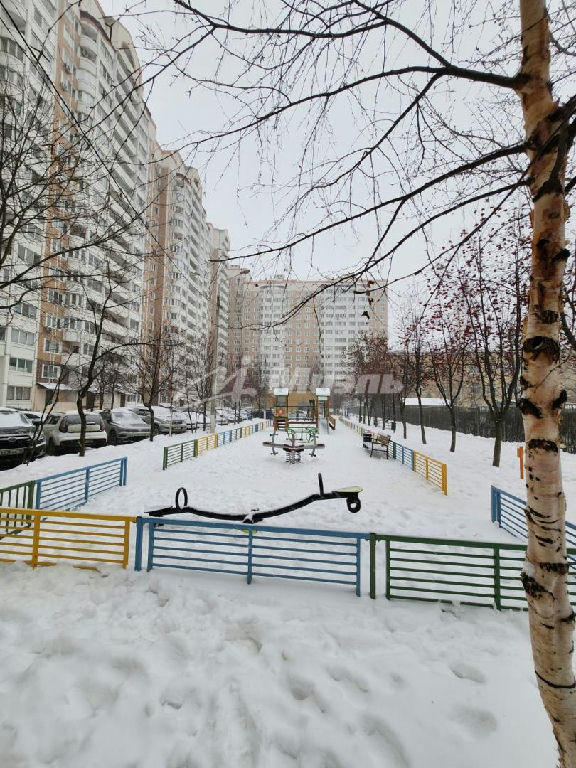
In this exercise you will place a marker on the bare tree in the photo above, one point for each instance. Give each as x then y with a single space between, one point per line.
495 293
449 343
301 60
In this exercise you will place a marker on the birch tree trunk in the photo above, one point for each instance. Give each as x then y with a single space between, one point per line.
544 575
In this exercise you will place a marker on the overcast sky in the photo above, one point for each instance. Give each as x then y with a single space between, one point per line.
245 191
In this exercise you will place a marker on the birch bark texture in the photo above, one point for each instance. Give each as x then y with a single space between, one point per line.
544 575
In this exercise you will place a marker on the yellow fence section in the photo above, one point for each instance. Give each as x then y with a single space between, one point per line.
202 445
50 536
432 470
212 441
246 431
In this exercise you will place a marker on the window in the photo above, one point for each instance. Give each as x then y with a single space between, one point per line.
50 371
18 393
23 337
51 321
51 345
55 297
26 310
87 349
20 364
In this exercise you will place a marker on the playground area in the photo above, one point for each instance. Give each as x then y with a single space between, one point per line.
197 670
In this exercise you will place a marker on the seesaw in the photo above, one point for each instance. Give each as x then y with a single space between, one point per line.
350 495
293 449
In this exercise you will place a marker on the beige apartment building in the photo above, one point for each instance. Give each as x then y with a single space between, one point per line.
127 249
298 333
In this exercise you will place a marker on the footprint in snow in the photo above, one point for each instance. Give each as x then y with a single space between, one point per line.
467 672
477 722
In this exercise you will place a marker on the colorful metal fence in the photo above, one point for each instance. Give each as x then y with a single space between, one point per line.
444 570
432 470
71 536
250 550
21 495
174 454
69 490
509 512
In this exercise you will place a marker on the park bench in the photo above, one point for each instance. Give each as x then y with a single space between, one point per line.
373 442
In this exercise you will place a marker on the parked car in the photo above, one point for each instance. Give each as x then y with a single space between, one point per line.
192 419
17 437
34 416
62 431
164 421
124 426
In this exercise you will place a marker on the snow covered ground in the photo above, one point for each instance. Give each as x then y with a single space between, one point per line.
182 670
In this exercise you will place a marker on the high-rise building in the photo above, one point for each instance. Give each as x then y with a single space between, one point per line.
299 332
118 250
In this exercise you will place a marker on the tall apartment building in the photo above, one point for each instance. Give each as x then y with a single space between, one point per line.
176 272
123 251
298 334
219 289
26 29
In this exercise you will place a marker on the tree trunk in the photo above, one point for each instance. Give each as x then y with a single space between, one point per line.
80 407
544 575
421 417
497 453
452 412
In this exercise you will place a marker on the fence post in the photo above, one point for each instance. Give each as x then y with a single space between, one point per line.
413 461
427 461
445 479
35 541
87 484
520 454
150 546
30 495
387 569
249 572
38 494
358 567
138 553
373 566
181 452
196 448
495 505
126 551
124 471
497 591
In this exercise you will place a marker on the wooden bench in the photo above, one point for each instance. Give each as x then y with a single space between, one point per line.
373 442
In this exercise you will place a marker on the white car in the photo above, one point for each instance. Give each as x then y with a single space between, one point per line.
163 421
62 431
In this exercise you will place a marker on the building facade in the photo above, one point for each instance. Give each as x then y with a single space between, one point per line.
298 333
118 250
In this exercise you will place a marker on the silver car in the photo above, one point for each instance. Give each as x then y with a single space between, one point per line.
124 426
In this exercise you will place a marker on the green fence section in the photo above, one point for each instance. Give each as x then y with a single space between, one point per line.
190 449
19 496
451 570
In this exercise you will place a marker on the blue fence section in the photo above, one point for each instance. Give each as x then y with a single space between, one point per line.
250 550
69 490
402 454
508 511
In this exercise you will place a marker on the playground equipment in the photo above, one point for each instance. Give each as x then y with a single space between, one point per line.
298 415
297 441
351 496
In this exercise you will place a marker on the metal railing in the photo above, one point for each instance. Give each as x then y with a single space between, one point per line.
509 512
432 470
250 550
451 570
71 536
190 449
68 490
